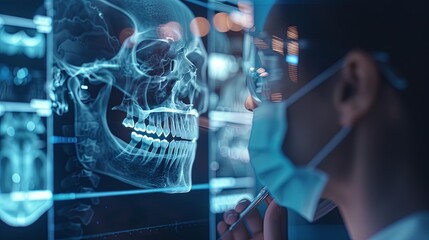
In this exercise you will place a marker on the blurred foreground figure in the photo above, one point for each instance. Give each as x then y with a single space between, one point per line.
340 114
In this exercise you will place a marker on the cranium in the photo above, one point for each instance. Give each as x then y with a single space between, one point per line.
144 51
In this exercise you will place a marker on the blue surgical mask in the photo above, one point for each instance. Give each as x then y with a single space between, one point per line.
296 187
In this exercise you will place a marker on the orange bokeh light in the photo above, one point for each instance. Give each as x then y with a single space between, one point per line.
232 25
220 21
200 26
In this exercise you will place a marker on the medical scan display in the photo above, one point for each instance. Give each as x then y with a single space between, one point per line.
26 171
152 59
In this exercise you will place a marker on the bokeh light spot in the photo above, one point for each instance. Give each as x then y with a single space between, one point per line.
220 21
200 26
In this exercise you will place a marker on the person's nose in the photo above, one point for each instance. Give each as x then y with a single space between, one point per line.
250 104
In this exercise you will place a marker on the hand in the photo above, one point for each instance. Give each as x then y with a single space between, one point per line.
272 227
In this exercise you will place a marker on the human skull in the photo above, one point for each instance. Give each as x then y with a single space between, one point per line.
145 51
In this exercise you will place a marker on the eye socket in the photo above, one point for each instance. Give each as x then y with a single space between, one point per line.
154 57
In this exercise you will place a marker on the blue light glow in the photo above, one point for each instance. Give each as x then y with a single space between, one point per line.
31 196
16 178
31 126
74 196
10 131
22 73
62 139
292 59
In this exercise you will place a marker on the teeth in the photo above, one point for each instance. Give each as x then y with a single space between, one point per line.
195 127
178 149
158 125
136 137
182 148
173 127
152 154
151 120
174 146
151 126
147 140
164 144
177 125
151 129
187 127
166 128
156 143
182 127
128 122
158 131
140 126
187 150
170 149
163 124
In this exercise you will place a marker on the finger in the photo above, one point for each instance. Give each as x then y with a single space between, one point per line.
253 219
241 205
250 104
268 200
240 231
230 217
223 227
275 222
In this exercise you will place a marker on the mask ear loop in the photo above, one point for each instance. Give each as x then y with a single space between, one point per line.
306 89
383 59
325 75
328 148
325 206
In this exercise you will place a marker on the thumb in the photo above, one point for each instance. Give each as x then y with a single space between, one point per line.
275 222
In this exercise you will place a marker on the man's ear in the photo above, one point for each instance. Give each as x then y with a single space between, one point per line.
357 88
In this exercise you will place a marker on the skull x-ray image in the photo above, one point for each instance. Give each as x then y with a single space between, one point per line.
136 76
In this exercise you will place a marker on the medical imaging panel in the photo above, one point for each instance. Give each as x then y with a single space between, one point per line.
135 77
25 170
25 160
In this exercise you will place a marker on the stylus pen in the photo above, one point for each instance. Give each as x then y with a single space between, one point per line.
255 203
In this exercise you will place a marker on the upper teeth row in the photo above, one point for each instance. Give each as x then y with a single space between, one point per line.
178 125
148 141
161 148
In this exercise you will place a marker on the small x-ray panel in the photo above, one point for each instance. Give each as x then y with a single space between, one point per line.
26 171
